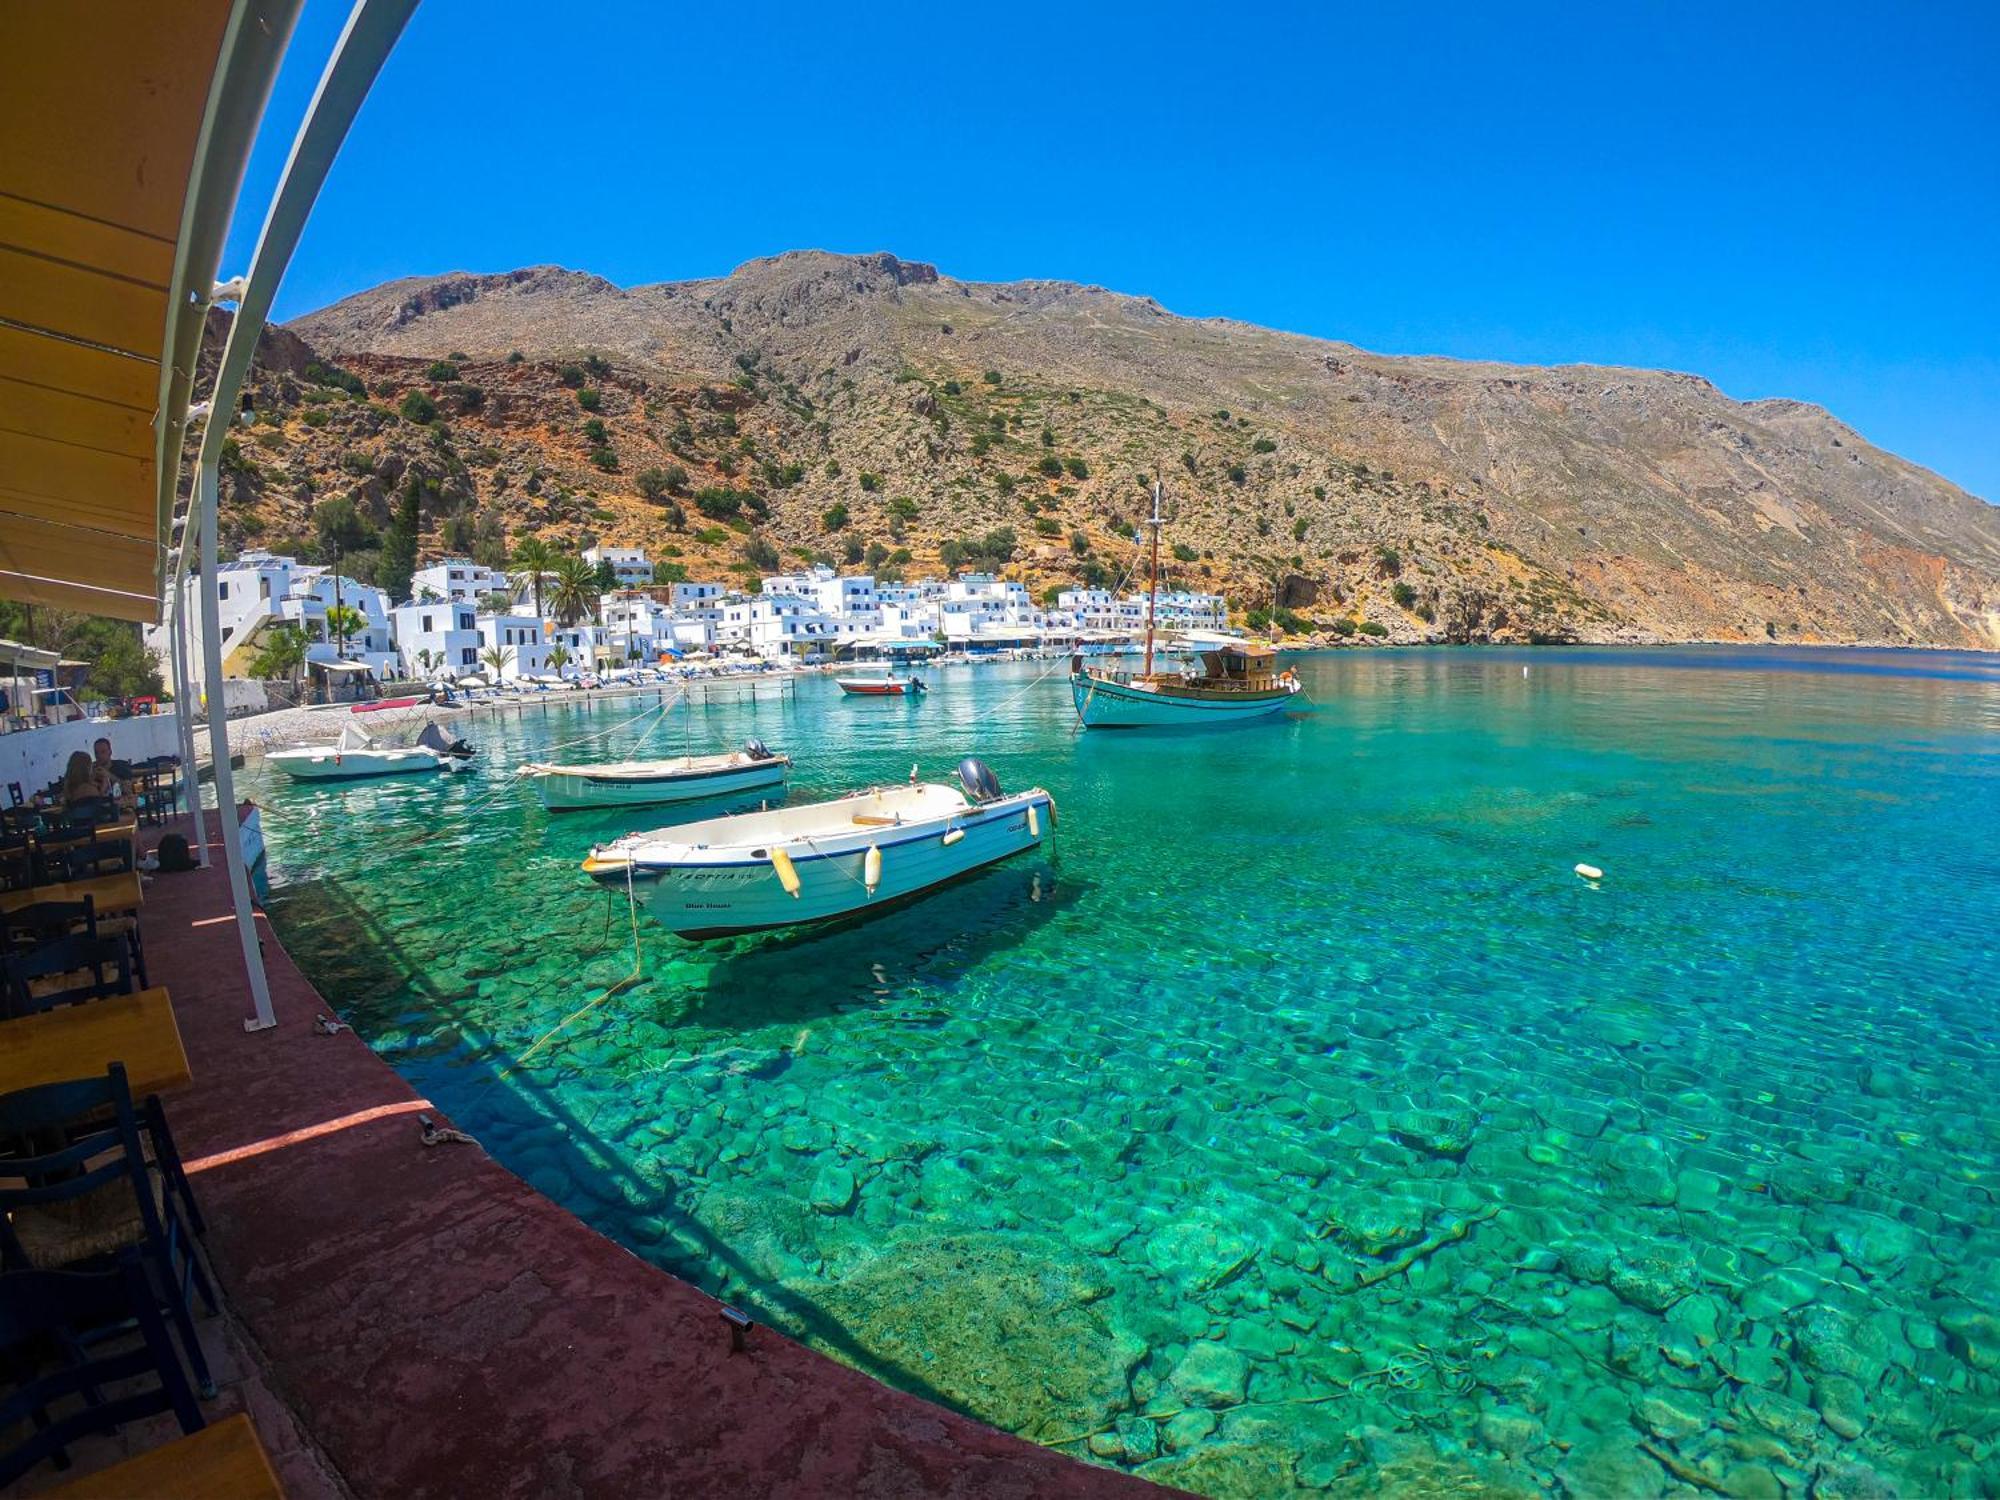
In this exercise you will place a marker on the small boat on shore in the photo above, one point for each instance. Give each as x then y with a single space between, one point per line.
356 756
645 783
880 685
795 865
1238 679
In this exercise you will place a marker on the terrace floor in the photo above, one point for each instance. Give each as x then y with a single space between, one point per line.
416 1321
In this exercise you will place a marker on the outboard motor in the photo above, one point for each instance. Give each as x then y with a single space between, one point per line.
756 749
980 784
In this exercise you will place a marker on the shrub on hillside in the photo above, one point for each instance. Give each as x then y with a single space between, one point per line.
417 407
1051 466
1047 526
1404 595
1078 469
590 398
1264 445
442 369
834 516
718 504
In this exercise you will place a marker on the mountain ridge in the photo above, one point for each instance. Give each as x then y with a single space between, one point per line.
1426 496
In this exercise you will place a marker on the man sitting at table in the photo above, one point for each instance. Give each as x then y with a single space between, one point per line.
103 770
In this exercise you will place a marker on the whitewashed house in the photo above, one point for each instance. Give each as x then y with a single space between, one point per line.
628 564
450 632
458 581
521 636
776 625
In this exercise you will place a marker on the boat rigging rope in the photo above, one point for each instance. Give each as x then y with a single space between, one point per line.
638 969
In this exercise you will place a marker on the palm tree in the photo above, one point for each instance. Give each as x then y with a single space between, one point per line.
576 591
558 658
538 558
282 654
342 621
499 658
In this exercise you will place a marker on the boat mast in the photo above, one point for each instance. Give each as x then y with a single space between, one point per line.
1153 577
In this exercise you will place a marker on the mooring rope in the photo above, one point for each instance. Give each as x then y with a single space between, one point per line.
638 969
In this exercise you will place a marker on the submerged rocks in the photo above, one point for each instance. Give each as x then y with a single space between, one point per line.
1376 1222
1654 1276
1436 1132
1000 1325
1209 1374
834 1189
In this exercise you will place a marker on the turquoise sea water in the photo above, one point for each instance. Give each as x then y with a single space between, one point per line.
1298 1120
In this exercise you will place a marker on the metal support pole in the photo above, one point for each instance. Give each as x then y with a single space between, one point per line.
218 753
184 710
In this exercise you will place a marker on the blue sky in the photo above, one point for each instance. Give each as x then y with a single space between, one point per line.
1791 200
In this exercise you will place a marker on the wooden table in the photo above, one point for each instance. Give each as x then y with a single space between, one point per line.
224 1461
113 894
104 833
81 1041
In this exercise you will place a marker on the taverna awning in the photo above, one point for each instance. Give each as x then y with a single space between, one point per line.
126 126
19 658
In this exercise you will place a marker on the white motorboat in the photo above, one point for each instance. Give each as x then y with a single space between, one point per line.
356 755
644 783
796 865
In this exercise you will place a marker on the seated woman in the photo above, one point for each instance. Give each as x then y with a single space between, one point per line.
79 781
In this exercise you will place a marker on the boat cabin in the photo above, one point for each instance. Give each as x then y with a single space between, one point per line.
1247 666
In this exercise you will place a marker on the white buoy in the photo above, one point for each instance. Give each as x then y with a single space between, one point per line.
871 869
952 836
1590 872
1034 823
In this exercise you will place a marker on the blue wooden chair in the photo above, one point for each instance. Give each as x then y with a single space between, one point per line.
64 1379
77 1204
67 970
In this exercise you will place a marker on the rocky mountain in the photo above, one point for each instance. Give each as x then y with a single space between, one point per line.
867 409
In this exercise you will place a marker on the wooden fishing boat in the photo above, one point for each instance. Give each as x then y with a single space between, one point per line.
648 783
795 865
1237 680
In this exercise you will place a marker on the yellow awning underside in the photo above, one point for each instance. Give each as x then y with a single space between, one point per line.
101 108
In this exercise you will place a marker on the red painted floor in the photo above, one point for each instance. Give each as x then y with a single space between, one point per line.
438 1328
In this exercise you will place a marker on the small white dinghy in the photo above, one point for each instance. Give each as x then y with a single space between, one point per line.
356 755
645 783
795 865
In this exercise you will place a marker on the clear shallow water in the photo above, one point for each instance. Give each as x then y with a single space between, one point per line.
1302 1122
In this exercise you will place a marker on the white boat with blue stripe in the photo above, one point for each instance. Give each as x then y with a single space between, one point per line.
793 865
649 783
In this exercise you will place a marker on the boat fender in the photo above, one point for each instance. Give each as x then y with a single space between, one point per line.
871 868
1590 872
1034 823
1053 819
788 873
952 836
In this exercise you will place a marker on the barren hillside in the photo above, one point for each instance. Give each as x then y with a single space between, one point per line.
866 409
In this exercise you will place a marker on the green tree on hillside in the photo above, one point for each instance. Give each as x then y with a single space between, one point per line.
399 542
